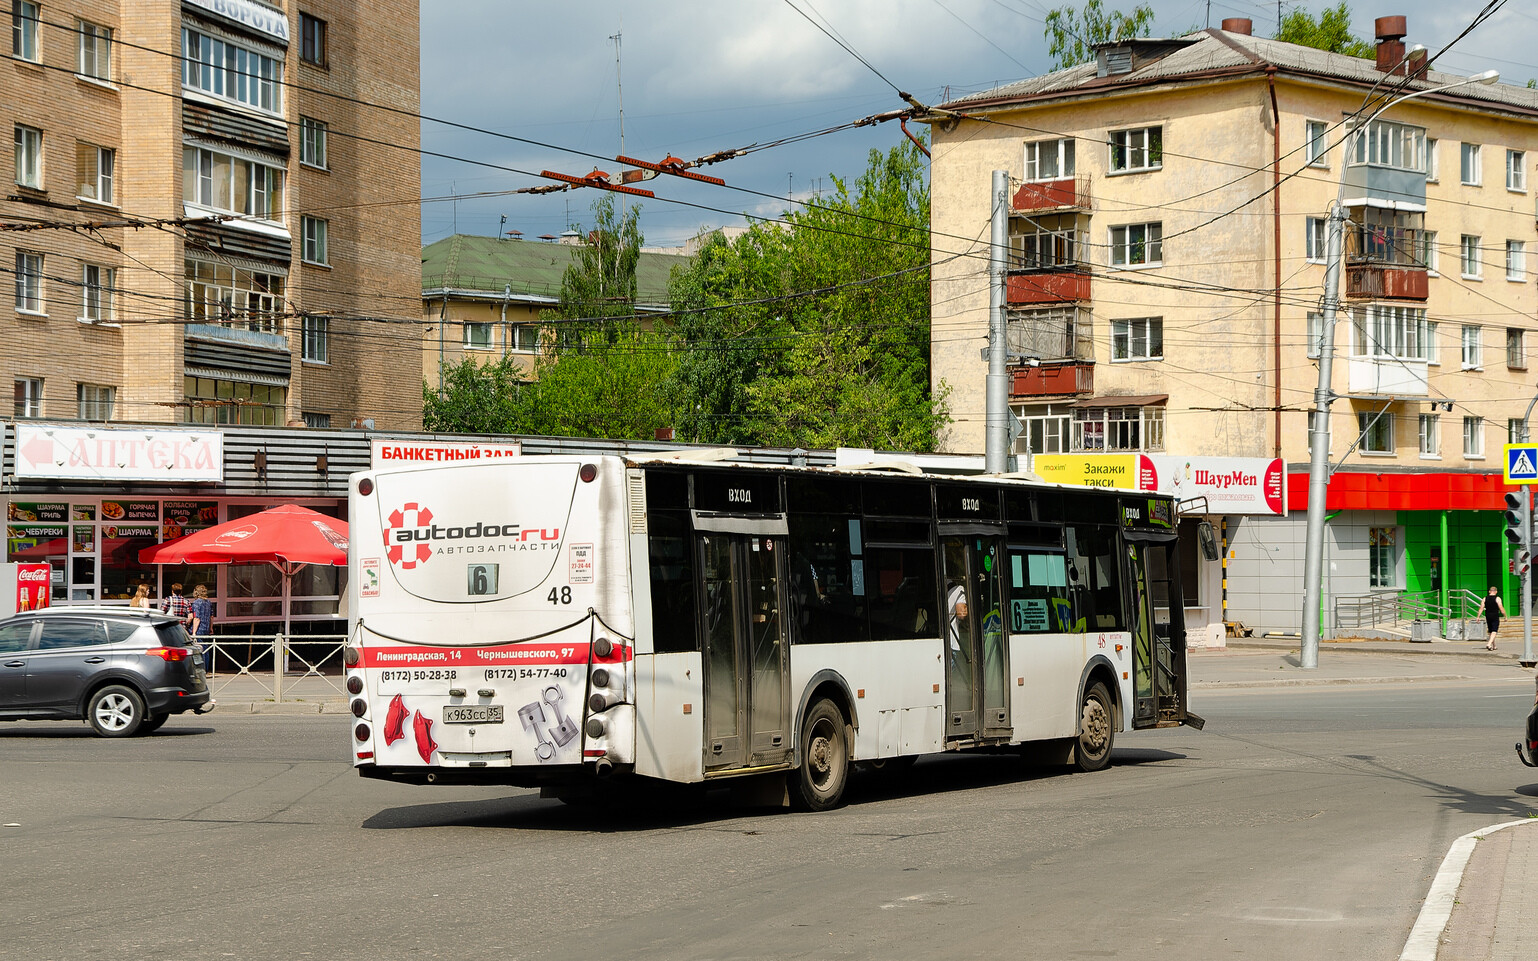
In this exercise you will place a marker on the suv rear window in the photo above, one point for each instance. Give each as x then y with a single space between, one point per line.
172 634
121 631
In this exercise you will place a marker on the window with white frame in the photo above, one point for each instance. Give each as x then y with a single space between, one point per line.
1473 357
1118 429
1316 146
232 71
1138 338
29 156
1380 330
1516 348
1315 332
229 184
1138 149
1516 260
1514 432
312 142
1431 160
1049 160
95 170
1043 243
1046 428
1314 239
1472 266
317 339
24 20
1468 164
1428 250
1382 557
1431 343
478 336
1384 143
523 338
95 401
1430 435
315 241
1473 437
95 50
98 286
1516 173
29 282
29 397
1375 431
219 293
1136 245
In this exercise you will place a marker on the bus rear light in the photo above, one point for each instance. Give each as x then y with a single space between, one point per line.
592 753
594 727
354 684
168 653
603 647
600 677
598 703
361 732
365 487
588 473
351 656
359 707
365 755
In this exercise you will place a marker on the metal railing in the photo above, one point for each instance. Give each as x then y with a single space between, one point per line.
286 666
1398 610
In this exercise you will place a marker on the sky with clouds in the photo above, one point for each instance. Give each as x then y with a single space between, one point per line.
696 77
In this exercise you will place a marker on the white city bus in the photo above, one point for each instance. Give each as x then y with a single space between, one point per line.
553 620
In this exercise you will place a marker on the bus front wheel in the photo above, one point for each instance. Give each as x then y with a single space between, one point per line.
824 771
1097 730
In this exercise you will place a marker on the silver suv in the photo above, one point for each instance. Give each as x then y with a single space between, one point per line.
122 671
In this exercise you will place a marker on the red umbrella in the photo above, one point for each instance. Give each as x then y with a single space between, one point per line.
287 537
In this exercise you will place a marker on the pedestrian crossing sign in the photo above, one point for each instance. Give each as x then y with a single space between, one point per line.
1521 464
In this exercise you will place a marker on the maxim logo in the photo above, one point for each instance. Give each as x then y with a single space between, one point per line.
412 538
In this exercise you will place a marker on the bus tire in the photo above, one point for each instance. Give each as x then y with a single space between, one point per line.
818 784
1097 730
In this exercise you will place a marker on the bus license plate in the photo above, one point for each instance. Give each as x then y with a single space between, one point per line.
472 714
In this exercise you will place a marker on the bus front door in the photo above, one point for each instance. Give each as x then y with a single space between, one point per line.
976 655
747 690
1158 637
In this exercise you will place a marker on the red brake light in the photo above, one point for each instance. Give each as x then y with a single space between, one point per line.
169 653
588 472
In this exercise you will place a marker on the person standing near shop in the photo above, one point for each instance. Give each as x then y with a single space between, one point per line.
203 624
141 598
177 606
1493 610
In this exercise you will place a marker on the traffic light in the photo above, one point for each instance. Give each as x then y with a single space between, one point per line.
1519 529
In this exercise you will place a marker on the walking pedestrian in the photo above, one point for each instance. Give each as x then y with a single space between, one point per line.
1493 610
203 625
177 606
141 598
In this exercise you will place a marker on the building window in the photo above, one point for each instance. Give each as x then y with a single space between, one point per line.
312 419
97 288
1141 338
1140 149
1514 432
1316 147
524 338
234 297
95 401
224 183
477 336
94 170
1118 429
1049 160
1516 174
1516 352
1381 555
24 18
1473 437
1516 260
1401 333
1431 160
95 50
317 339
1043 243
312 142
1315 332
1431 435
1314 241
315 241
29 397
1428 250
1387 144
312 40
211 401
1137 245
1431 343
1375 432
1469 255
29 282
231 71
1046 429
29 157
1472 359
1468 164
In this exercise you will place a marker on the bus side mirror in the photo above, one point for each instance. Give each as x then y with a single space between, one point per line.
1207 540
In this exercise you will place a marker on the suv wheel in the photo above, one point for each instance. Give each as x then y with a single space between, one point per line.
115 711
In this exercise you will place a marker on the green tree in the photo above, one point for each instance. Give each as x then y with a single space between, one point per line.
1072 34
1332 31
476 399
815 332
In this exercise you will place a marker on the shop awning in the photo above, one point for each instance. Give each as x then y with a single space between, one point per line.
1124 400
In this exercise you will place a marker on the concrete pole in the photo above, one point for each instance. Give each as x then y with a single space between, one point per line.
1319 445
996 459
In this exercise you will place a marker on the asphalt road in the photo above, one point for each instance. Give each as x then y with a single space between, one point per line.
1304 823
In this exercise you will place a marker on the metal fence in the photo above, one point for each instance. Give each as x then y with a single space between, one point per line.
1400 611
292 666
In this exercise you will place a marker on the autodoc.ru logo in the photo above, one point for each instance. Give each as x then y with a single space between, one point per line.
411 537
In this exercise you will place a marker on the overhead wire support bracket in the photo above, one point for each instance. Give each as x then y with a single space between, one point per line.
672 166
599 179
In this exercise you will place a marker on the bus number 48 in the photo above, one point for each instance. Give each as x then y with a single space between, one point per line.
559 595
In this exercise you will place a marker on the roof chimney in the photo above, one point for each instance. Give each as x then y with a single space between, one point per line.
1239 25
1391 33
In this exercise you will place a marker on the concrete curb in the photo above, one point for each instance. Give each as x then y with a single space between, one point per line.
1314 681
1426 936
274 707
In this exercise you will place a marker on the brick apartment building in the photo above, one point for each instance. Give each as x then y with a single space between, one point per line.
215 213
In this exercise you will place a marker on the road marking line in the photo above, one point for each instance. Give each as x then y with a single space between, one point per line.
1426 936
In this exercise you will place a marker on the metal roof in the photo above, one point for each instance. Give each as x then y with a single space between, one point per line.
468 266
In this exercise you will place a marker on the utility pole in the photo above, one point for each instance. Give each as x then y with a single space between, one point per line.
996 420
1319 444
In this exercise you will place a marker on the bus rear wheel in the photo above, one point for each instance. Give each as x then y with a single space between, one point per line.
818 784
1097 731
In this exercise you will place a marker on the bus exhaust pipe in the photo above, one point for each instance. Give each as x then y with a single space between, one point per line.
603 767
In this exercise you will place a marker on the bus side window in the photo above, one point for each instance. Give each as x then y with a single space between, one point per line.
901 585
1038 592
671 562
827 580
1099 584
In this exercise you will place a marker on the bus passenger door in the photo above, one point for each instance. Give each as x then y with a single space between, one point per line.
747 690
1158 636
976 655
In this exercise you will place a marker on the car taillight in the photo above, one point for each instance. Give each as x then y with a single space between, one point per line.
169 653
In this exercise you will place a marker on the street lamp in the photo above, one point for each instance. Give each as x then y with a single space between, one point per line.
1319 430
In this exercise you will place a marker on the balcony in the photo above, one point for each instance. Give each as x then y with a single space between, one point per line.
1064 378
1071 193
1385 256
1383 282
1379 377
1065 286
